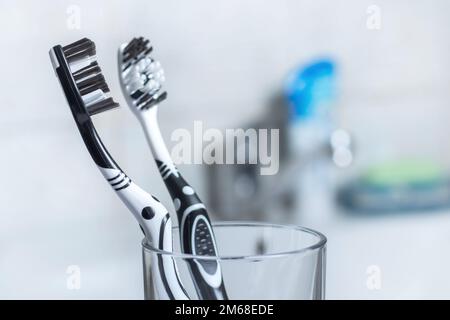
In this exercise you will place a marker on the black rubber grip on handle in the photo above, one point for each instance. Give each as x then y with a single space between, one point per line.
203 242
198 239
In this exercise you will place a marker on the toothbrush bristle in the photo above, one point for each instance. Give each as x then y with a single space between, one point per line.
88 77
142 76
79 49
136 47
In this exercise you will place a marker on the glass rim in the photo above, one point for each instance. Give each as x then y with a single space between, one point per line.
319 244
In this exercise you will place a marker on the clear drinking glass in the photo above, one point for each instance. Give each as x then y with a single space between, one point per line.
259 261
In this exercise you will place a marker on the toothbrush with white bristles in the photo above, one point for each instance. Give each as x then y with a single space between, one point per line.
87 94
141 80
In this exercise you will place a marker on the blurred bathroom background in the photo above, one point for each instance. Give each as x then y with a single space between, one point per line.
374 179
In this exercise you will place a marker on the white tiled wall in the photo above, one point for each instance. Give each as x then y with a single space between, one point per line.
224 60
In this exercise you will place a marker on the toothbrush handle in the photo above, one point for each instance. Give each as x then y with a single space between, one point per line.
164 269
197 237
156 224
193 219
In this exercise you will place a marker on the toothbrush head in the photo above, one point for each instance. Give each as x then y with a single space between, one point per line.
86 91
81 78
141 76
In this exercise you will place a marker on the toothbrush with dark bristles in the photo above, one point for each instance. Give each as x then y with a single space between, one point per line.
87 94
141 80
